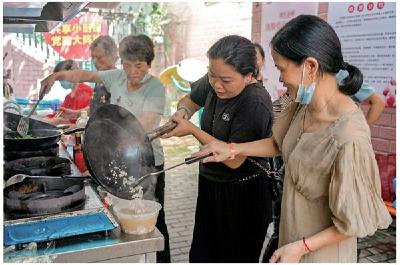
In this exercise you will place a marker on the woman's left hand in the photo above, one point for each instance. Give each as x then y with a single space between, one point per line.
70 113
183 128
288 253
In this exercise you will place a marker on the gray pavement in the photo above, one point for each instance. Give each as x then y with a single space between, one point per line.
180 204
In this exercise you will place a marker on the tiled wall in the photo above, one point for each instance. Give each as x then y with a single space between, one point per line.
26 70
383 132
197 25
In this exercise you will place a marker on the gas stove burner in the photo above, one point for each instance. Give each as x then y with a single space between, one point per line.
36 197
22 214
38 166
15 154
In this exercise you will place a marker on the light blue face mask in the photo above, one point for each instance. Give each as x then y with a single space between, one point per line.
304 94
145 78
66 84
341 76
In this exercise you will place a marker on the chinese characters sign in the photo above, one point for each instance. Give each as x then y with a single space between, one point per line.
273 16
72 40
367 32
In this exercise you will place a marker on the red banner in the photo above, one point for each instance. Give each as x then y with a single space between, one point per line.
72 40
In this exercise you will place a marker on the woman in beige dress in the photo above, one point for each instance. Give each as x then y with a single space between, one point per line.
332 192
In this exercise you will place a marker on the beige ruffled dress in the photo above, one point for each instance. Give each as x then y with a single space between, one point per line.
331 178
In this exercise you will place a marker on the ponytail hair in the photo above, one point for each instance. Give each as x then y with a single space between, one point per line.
310 36
351 84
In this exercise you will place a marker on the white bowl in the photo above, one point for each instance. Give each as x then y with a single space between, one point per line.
136 216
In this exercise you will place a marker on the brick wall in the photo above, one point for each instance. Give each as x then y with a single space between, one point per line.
26 69
383 132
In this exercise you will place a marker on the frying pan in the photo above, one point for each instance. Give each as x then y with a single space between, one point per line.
44 135
117 150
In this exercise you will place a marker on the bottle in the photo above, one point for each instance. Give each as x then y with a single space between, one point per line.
78 153
82 121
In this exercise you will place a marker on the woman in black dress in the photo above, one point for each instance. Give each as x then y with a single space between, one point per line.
234 200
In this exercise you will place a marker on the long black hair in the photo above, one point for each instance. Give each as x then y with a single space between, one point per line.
310 36
236 51
260 49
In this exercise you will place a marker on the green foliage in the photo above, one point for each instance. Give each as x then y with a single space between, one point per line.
154 22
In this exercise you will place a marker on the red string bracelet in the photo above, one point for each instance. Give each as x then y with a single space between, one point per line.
305 245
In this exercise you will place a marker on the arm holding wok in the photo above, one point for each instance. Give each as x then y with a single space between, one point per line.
186 108
222 151
185 127
192 102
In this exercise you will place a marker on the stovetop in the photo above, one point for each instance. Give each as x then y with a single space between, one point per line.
93 217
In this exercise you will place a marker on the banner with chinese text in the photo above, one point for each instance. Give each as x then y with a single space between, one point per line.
367 32
72 40
273 16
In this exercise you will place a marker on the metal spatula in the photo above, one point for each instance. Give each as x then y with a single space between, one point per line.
23 125
21 177
188 161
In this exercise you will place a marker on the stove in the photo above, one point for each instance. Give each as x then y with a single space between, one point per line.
93 217
10 154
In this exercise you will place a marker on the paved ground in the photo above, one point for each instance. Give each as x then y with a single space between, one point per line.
180 203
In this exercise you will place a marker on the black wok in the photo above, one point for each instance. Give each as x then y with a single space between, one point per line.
43 135
39 165
11 121
117 150
39 139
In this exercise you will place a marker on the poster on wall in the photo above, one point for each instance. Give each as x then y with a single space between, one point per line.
367 32
72 40
273 16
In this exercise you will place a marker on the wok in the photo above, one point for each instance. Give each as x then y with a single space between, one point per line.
39 165
117 150
44 135
11 121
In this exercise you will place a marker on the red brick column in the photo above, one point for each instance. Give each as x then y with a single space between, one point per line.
383 132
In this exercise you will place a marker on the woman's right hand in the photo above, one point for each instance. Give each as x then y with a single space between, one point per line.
183 128
181 113
220 151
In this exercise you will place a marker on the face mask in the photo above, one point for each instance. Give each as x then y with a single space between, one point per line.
304 94
145 78
66 84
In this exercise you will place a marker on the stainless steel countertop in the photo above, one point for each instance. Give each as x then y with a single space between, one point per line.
88 248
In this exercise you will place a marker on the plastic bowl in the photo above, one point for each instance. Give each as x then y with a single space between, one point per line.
136 216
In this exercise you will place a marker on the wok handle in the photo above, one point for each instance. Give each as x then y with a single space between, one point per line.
188 160
169 126
75 177
74 130
41 95
191 160
58 177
